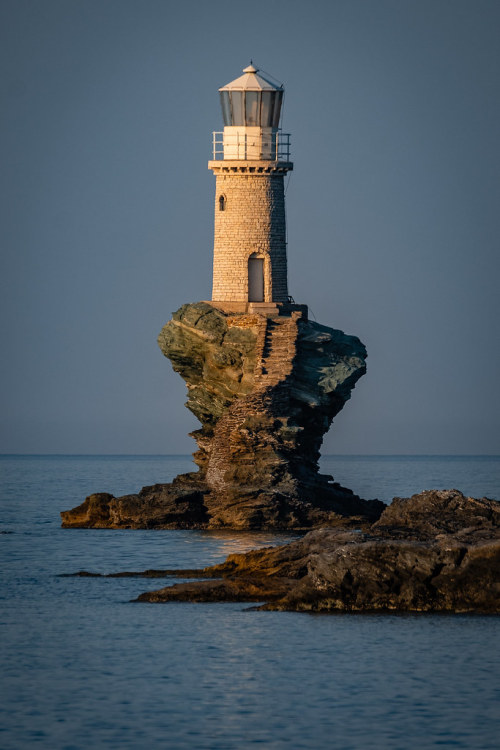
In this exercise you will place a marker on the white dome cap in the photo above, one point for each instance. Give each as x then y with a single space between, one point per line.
251 80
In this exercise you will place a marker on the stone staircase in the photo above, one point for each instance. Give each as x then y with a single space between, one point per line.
276 349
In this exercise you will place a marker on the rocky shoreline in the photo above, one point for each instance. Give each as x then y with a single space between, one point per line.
184 504
438 551
265 388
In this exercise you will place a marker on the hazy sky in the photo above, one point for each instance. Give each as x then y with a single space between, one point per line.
107 209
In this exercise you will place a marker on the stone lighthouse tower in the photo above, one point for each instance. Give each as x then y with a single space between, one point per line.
250 160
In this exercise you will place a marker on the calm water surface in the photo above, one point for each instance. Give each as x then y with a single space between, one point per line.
82 667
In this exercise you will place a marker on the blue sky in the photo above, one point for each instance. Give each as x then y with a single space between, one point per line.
107 209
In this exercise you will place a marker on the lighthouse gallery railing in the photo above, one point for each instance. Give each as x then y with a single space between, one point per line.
267 146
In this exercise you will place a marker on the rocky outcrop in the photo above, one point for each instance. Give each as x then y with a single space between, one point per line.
178 505
265 388
438 551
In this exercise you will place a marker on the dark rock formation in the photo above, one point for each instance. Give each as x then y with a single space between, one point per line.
434 552
178 505
265 389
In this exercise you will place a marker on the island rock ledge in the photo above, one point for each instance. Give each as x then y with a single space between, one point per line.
265 387
438 551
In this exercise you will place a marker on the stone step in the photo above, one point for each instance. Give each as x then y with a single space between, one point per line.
274 362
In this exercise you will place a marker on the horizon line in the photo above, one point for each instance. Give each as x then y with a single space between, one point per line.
189 455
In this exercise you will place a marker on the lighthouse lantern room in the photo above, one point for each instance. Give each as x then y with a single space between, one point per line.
250 160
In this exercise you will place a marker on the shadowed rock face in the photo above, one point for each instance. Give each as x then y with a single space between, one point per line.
438 551
265 390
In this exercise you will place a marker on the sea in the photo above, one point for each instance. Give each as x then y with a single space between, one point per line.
83 667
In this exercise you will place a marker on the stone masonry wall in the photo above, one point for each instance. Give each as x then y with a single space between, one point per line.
253 221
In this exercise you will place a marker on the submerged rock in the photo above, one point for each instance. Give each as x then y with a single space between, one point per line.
438 551
265 389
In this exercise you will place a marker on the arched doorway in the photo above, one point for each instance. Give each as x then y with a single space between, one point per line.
255 278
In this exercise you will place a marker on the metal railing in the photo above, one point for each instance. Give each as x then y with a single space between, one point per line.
244 146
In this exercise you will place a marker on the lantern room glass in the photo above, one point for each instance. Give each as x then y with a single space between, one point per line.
266 109
251 108
237 107
252 114
278 98
226 107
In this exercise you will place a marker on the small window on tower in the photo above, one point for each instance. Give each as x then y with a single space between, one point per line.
222 202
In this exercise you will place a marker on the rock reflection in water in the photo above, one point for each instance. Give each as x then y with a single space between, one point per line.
234 542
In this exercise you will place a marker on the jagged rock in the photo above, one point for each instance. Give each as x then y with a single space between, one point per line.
178 505
265 389
436 512
436 551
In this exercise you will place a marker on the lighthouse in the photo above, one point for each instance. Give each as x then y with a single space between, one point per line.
251 158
